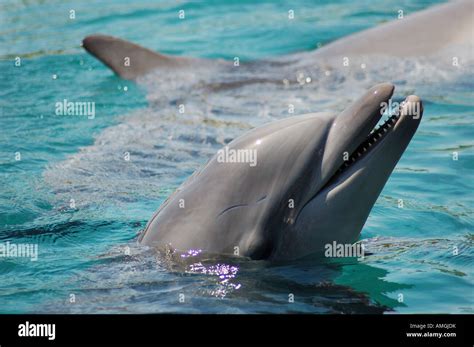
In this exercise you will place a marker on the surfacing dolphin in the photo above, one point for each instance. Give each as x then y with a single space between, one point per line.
302 194
315 181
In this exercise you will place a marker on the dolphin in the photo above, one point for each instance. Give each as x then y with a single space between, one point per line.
315 177
315 180
418 34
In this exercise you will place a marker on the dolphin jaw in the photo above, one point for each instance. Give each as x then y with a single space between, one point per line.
351 127
375 140
375 137
363 155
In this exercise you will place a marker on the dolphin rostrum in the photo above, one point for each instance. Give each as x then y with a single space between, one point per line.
311 180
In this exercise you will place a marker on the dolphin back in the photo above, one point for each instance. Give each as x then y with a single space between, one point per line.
127 59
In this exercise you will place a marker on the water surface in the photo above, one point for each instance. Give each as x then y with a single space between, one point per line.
75 195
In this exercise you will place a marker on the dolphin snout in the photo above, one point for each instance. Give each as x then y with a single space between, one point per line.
383 90
353 125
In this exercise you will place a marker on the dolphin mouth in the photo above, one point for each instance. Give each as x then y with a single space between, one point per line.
372 140
375 138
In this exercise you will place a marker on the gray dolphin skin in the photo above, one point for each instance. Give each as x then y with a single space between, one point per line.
301 194
419 34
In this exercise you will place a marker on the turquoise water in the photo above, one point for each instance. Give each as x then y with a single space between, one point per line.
73 194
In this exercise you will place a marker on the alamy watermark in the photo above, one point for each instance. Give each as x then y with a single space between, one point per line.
37 330
230 155
394 108
344 250
19 250
78 108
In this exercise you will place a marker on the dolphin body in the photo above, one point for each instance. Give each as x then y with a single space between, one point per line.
302 194
424 33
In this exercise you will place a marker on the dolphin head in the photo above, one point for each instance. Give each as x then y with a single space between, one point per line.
313 180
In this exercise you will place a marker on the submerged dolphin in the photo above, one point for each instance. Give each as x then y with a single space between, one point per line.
315 181
421 34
